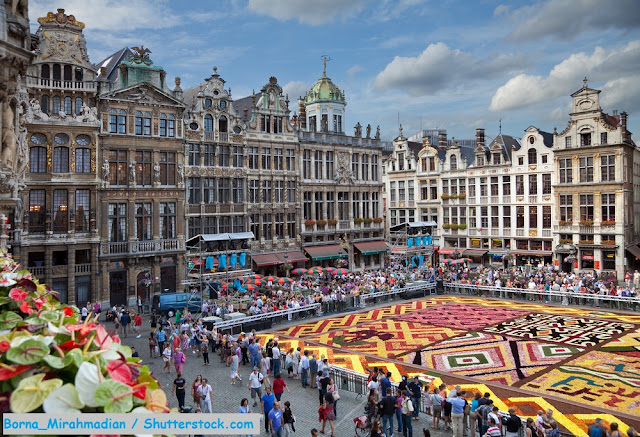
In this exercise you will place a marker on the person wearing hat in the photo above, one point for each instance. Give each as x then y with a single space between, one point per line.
255 385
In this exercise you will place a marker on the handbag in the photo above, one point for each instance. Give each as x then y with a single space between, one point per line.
336 395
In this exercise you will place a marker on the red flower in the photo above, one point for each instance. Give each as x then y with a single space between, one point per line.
67 346
17 294
4 346
68 311
25 308
38 303
84 328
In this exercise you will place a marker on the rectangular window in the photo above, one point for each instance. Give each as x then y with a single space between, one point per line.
365 167
279 222
546 217
61 160
585 139
209 155
506 185
355 165
223 156
266 159
290 159
494 186
546 183
267 195
483 187
484 217
193 191
506 217
586 169
267 231
83 160
194 154
520 217
209 191
291 191
237 156
519 185
118 167
117 222
253 158
472 187
566 207
411 191
375 204
317 164
328 156
254 191
306 165
82 210
608 207
195 227
603 138
143 216
237 190
224 190
167 168
566 170
38 159
319 203
401 192
586 207
278 159
279 191
392 192
37 211
374 167
608 168
343 205
533 217
167 220
291 225
143 168
400 161
567 142
60 211
306 205
331 205
495 217
355 205
254 224
533 184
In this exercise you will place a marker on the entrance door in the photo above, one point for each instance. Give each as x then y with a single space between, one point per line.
141 288
168 279
565 266
118 287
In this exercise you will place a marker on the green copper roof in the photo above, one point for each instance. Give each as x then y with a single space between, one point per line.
324 91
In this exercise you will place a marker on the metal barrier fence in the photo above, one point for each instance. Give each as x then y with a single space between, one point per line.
568 298
273 317
421 289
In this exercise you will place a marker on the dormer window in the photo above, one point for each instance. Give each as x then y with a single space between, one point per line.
585 139
496 159
480 160
453 162
532 156
400 161
208 103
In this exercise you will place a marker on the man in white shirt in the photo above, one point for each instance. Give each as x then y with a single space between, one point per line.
204 390
275 351
255 385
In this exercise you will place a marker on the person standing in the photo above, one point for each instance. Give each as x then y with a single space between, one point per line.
407 412
289 419
267 403
255 385
161 337
166 358
473 416
125 320
137 324
276 357
328 415
458 403
178 360
275 420
304 369
205 396
152 344
399 400
388 406
139 304
493 430
415 387
204 348
179 389
235 362
244 409
513 423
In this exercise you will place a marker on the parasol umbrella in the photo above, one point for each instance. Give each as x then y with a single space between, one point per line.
299 271
250 287
448 261
283 281
341 271
256 282
330 269
256 276
315 270
271 279
225 286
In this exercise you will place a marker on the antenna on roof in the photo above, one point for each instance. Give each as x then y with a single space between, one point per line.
500 126
325 58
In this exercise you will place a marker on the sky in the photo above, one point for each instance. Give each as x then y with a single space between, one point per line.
449 64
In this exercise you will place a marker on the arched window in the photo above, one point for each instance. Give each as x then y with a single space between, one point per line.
208 123
44 104
453 162
67 106
56 105
61 159
78 105
45 71
222 124
56 72
79 74
532 156
67 73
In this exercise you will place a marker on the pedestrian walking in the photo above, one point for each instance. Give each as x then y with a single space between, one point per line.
267 402
179 359
153 343
204 348
278 386
329 414
194 390
179 389
331 388
166 358
255 385
125 320
235 361
205 396
137 324
289 419
275 420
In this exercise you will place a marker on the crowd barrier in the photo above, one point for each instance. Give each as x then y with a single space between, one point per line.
556 297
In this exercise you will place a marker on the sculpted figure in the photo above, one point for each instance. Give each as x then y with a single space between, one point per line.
9 138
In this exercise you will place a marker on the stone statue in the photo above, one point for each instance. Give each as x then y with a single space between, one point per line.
368 131
358 131
156 172
22 156
9 138
378 132
132 172
323 125
180 174
105 171
36 110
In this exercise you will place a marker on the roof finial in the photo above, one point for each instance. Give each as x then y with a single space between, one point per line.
401 131
500 126
325 58
585 81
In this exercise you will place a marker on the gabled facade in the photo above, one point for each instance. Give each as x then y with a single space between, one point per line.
596 165
141 204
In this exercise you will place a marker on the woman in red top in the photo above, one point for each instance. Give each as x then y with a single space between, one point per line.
278 386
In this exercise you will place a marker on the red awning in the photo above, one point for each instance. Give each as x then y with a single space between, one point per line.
450 250
266 259
371 247
320 253
474 252
587 257
634 250
292 257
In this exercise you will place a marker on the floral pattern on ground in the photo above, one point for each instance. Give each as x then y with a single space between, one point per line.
572 331
626 343
462 316
603 379
386 338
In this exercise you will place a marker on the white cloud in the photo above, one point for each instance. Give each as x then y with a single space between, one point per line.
566 19
309 12
354 70
296 89
603 65
501 10
111 14
439 67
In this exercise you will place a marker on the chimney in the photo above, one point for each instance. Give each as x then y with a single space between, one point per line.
302 114
623 123
480 137
442 140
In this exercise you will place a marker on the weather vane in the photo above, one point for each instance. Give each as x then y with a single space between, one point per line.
325 58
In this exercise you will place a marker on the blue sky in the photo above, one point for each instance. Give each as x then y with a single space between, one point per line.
453 64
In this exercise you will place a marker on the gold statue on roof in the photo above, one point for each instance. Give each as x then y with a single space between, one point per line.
141 52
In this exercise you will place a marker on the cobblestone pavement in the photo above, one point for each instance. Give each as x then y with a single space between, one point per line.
226 397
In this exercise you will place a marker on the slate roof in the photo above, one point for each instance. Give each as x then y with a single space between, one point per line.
111 63
245 102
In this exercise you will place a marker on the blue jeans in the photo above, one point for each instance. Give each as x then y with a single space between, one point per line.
305 377
255 362
407 431
387 431
399 419
416 405
276 366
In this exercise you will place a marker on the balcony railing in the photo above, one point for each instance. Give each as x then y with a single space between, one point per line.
506 232
209 135
344 224
484 200
83 268
533 199
142 247
519 232
546 233
73 85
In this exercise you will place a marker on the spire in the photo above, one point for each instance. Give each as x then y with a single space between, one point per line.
585 82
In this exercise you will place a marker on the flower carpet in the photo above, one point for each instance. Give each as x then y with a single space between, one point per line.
591 358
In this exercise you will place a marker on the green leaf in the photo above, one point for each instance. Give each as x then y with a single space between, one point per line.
4 300
28 352
76 357
64 400
31 392
9 320
35 320
86 382
109 394
51 316
145 377
55 361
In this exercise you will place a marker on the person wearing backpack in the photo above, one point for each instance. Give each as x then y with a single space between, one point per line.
407 412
